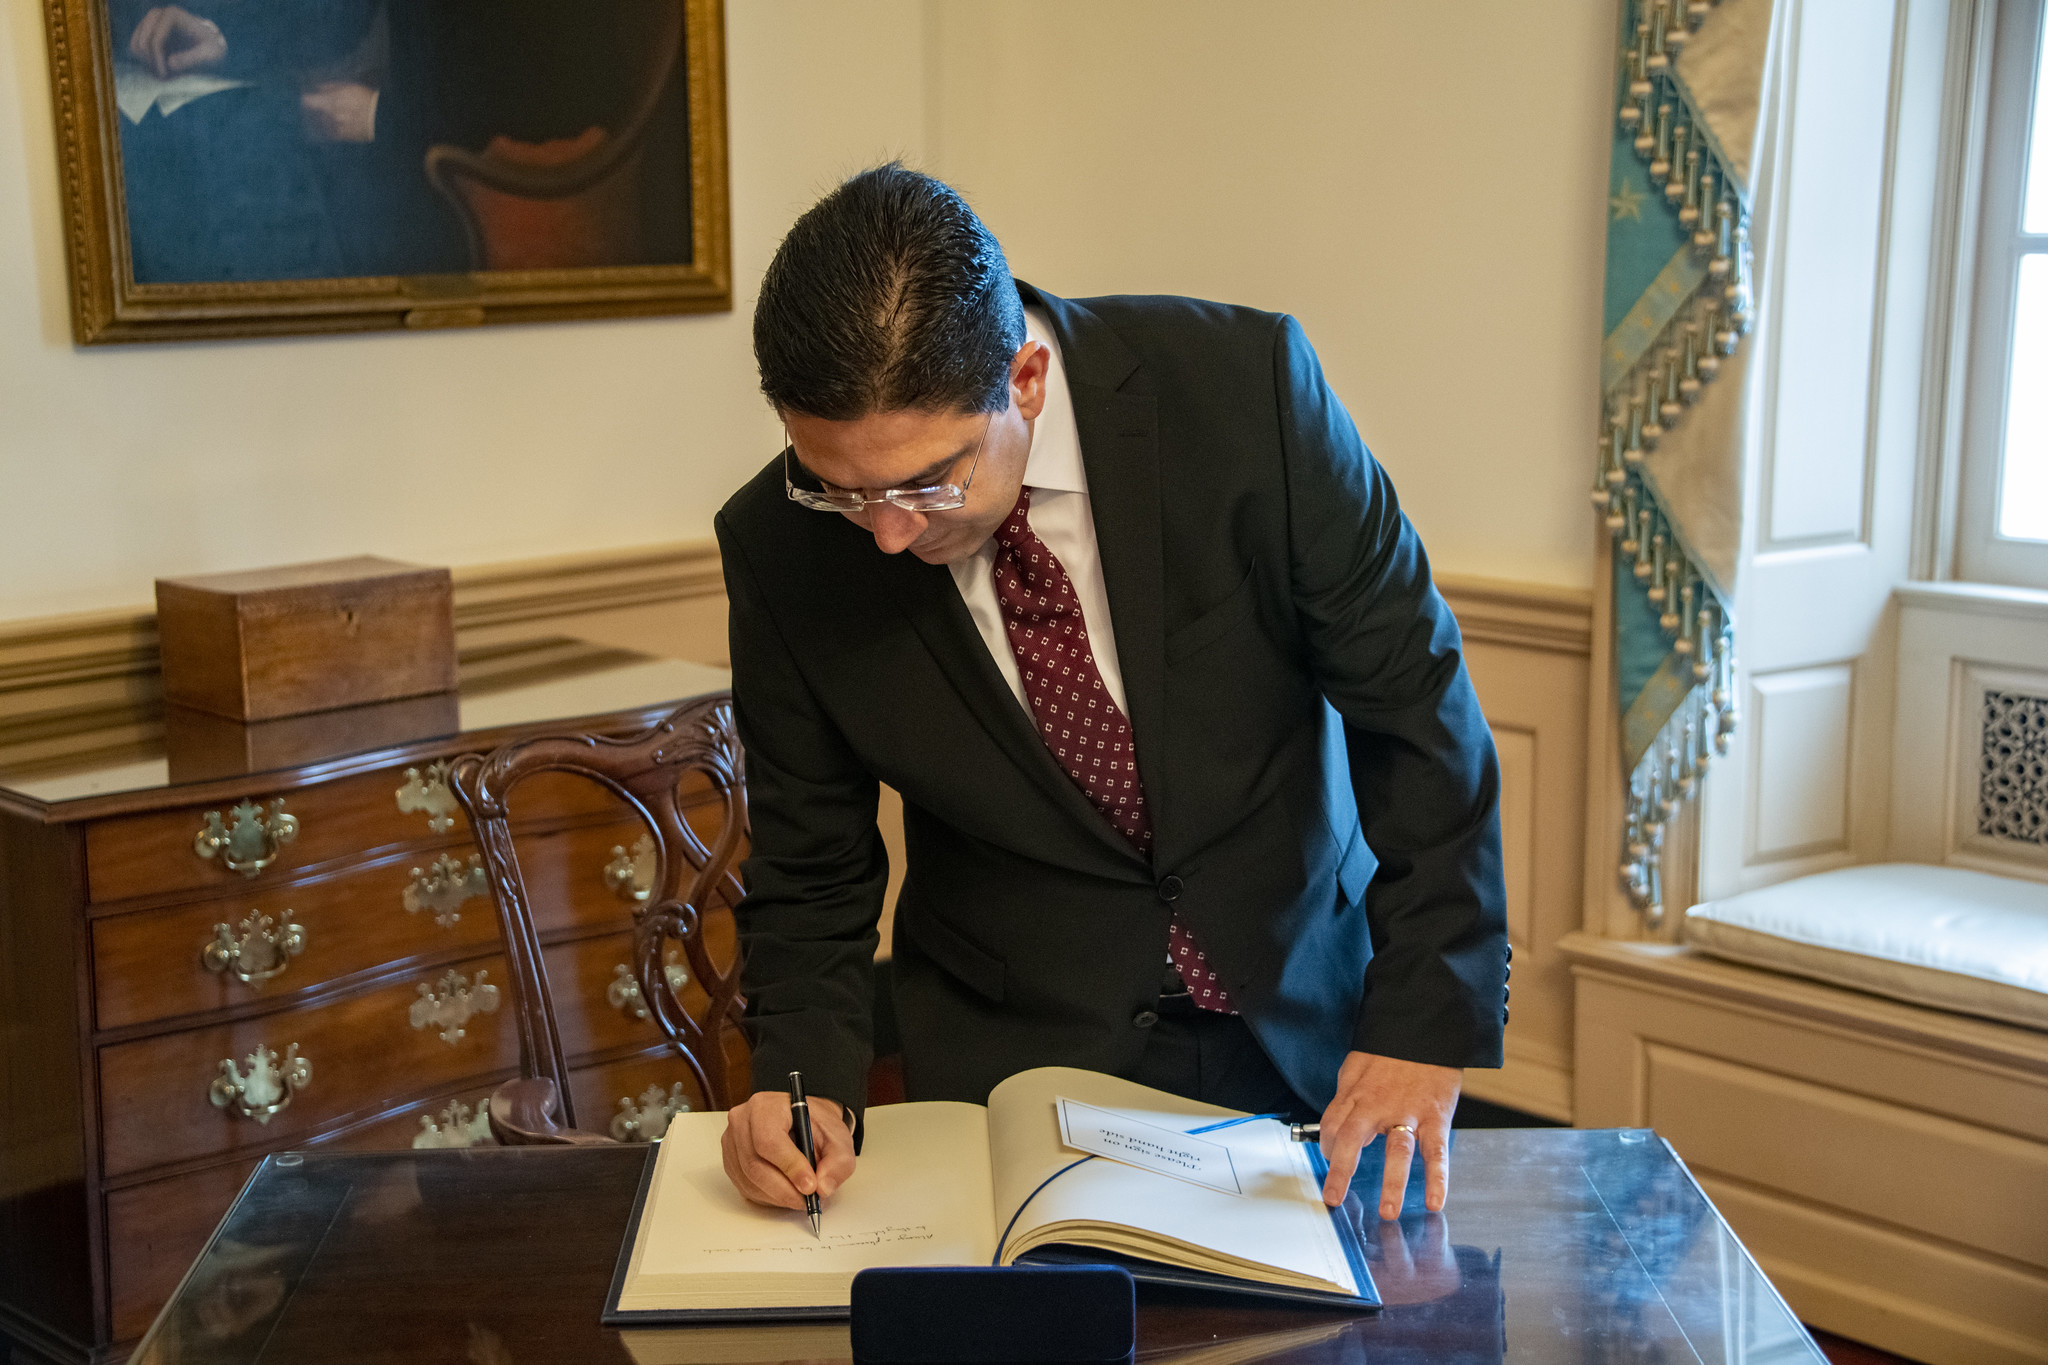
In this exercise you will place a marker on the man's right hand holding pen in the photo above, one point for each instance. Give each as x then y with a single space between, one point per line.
763 1162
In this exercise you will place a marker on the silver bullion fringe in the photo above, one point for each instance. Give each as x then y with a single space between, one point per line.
1651 400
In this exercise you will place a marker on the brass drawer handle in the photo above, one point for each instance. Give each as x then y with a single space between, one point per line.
624 992
649 1119
631 875
249 839
453 1005
265 1089
256 949
456 1126
430 795
443 887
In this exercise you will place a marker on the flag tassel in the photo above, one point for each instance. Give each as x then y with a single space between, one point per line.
1646 404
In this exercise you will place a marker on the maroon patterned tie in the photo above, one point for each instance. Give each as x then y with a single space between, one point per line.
1078 719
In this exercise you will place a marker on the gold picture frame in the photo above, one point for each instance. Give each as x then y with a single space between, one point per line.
522 210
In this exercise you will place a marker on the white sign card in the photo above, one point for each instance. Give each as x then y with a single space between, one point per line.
1132 1141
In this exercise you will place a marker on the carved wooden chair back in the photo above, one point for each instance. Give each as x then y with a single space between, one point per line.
647 772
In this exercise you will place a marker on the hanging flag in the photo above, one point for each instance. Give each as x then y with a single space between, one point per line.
1674 388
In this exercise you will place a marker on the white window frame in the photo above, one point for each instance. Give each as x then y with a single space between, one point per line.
1980 553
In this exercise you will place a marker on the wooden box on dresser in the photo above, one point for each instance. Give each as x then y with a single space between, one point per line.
195 971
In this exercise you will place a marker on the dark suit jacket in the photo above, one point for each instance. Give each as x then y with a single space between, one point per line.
1323 788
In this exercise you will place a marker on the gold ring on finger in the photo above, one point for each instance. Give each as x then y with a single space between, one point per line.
1400 1128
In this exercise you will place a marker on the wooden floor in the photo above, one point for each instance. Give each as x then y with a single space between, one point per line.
1842 1351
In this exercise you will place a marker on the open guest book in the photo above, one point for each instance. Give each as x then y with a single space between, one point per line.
1235 1207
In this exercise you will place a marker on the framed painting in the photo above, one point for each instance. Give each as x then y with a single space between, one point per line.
252 167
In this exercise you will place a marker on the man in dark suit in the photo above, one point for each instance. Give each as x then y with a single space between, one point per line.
1196 790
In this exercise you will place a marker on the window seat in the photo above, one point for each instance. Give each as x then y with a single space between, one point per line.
1885 1158
1939 936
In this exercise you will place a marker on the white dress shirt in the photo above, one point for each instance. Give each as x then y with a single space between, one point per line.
1061 518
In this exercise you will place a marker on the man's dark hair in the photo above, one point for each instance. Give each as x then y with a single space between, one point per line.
887 295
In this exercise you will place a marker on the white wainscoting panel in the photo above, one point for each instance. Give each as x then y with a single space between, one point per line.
1738 1119
1958 641
1819 453
1887 1164
1517 749
1799 760
1530 651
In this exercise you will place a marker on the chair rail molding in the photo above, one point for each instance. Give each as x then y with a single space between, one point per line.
96 673
66 682
1535 616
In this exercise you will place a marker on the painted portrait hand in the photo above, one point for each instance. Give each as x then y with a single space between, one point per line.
339 111
171 41
1411 1102
764 1164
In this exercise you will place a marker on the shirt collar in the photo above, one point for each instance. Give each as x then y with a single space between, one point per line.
1054 463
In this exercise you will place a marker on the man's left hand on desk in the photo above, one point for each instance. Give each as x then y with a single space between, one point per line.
1411 1102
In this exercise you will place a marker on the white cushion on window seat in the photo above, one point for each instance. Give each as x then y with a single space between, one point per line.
1939 936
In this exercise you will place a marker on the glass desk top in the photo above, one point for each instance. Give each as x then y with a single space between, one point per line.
148 745
1557 1246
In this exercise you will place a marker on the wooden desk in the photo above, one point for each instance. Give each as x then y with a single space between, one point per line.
1557 1246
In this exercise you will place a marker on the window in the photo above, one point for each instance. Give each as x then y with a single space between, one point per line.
2003 535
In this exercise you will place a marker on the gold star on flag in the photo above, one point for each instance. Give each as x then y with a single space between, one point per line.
1626 203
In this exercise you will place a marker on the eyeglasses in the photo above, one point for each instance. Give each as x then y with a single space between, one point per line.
808 490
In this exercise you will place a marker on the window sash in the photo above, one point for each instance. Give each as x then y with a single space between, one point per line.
1980 552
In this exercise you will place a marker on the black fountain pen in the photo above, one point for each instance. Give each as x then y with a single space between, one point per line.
800 1133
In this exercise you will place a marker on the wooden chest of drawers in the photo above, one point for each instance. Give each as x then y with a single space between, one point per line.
195 974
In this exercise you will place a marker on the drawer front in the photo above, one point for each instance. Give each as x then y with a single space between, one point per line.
162 964
598 1006
456 1120
363 1053
607 1092
585 877
564 873
613 1095
156 1231
154 854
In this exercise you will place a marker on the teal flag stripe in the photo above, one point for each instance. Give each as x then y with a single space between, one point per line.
1639 643
1656 703
1642 233
1640 327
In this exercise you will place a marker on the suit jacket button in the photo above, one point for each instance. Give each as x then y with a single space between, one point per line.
1144 1019
1169 888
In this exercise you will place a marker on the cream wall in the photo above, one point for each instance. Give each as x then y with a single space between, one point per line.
1423 185
1423 190
120 464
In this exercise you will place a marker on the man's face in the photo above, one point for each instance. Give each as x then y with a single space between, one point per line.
907 449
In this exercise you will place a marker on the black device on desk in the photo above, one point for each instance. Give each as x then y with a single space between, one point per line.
995 1315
